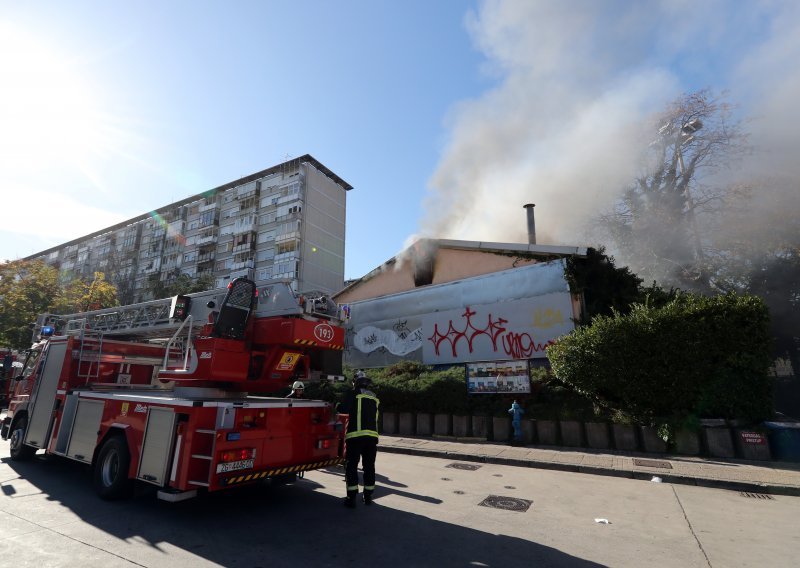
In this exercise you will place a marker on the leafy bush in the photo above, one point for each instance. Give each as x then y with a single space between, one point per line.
693 356
409 386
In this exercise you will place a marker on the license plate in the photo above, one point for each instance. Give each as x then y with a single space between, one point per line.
233 466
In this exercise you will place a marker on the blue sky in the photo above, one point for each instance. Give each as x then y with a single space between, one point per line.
445 116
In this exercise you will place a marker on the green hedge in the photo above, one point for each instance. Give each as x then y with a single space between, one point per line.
695 356
409 386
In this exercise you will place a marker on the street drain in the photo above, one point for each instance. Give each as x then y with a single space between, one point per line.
757 496
506 503
446 479
458 492
510 487
465 466
498 475
652 463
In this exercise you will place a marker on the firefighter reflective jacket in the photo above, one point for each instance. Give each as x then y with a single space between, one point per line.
363 410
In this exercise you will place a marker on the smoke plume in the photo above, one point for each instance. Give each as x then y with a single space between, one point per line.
577 83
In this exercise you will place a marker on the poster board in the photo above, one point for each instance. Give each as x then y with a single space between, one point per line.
498 377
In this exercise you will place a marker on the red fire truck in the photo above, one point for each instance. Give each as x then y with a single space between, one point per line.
158 392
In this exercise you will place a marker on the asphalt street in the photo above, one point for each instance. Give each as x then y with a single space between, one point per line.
428 512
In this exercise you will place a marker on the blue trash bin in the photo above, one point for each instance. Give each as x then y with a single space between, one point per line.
784 440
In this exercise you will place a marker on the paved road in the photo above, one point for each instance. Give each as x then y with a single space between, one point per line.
426 514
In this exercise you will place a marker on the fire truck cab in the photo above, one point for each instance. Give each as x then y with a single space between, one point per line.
162 392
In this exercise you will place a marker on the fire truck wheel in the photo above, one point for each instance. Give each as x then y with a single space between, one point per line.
18 450
111 470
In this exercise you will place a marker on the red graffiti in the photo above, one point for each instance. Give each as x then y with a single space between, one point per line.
521 345
492 330
516 345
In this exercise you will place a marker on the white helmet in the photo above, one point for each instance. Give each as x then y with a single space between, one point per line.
298 385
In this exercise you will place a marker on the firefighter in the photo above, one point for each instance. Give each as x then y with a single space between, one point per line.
361 438
297 390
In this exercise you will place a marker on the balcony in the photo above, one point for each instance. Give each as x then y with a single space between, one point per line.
206 239
289 217
287 236
244 247
243 227
286 256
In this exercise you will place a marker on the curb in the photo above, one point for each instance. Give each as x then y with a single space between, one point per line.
742 486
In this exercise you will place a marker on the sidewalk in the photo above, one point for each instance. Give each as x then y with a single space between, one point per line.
776 478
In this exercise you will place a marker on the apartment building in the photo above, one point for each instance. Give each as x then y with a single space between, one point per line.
285 222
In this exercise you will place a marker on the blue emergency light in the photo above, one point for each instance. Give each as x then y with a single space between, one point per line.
47 331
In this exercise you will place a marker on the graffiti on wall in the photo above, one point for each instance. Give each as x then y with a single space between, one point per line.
520 329
517 329
397 342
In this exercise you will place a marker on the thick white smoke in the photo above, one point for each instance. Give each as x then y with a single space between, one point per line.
565 126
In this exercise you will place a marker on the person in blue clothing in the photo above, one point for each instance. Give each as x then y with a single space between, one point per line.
361 439
516 413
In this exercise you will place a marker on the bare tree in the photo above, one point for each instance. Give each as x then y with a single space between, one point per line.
660 225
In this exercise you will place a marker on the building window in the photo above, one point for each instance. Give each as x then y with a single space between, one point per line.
207 218
266 254
288 246
266 236
242 239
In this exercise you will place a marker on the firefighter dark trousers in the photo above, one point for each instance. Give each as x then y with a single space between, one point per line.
364 448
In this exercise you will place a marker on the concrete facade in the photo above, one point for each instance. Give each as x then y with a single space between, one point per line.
285 222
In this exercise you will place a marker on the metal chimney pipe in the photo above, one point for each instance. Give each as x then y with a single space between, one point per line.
531 223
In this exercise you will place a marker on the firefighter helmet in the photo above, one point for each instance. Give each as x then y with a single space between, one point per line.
361 380
298 385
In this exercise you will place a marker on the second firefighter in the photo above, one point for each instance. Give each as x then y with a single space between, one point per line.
361 439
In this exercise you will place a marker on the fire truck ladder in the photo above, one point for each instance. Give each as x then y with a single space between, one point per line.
183 343
140 320
135 322
90 340
202 456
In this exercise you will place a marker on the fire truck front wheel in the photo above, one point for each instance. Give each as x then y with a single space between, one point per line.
18 450
111 470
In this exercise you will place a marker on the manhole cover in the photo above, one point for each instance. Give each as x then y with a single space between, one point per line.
506 503
652 463
757 495
465 466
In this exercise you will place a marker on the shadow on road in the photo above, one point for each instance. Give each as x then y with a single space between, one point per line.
258 526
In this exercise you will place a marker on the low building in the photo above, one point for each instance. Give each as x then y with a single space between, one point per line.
447 301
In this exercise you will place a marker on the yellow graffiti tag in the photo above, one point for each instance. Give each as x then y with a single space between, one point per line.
547 318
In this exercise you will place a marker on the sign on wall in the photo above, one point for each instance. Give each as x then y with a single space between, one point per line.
490 377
